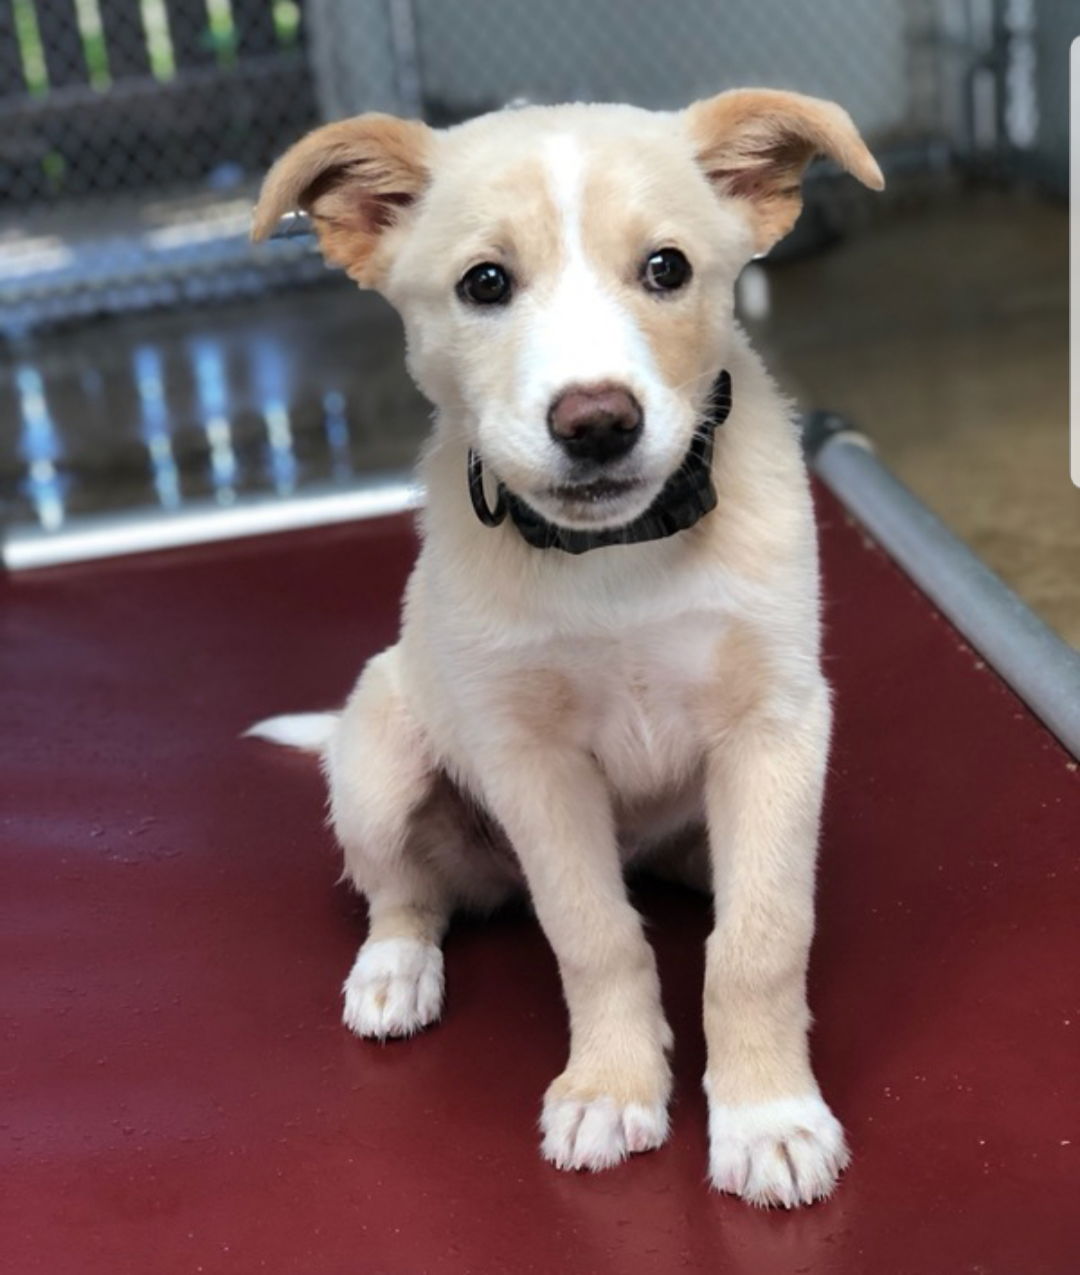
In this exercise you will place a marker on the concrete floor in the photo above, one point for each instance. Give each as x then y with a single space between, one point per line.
943 333
941 330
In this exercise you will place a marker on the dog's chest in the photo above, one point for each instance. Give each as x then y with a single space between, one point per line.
638 703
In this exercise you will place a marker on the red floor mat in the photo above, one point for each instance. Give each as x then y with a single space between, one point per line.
186 1100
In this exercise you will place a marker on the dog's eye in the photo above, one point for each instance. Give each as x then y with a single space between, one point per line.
665 271
485 284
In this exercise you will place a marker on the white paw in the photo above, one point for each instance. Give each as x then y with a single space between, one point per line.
394 989
788 1152
599 1132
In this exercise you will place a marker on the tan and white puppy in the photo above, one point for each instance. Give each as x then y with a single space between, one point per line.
565 276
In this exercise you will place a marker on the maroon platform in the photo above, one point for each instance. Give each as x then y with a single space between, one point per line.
181 1097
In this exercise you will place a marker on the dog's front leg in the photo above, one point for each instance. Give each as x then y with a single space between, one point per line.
611 1100
772 1138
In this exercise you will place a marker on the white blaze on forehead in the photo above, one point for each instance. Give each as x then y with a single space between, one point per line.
579 333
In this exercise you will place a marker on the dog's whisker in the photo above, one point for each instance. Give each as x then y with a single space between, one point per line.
693 380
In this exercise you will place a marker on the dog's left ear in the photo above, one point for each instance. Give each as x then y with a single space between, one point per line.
358 179
755 144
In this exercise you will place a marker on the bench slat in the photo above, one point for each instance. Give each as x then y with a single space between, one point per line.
65 61
255 30
125 38
189 29
12 79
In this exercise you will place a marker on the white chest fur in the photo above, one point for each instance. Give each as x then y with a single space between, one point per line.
637 696
612 663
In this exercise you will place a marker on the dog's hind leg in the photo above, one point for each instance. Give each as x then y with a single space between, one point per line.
380 773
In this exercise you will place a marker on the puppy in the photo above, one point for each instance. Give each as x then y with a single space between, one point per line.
609 653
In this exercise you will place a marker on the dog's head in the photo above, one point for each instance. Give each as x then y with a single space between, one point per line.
565 274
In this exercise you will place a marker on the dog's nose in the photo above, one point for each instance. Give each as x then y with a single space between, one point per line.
596 422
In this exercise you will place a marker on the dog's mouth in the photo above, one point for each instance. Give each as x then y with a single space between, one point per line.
592 493
607 509
599 502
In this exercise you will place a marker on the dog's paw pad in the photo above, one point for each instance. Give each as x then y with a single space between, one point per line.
599 1132
776 1154
394 989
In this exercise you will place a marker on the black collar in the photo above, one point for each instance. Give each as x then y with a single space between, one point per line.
687 496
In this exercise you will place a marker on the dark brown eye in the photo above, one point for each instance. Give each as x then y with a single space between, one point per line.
485 284
666 271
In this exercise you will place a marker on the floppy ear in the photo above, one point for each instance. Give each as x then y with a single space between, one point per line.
357 179
755 144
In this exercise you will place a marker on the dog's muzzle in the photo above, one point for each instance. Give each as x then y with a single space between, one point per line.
686 497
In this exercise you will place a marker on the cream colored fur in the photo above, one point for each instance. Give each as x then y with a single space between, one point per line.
594 711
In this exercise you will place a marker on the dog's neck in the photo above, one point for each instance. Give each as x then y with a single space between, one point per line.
685 499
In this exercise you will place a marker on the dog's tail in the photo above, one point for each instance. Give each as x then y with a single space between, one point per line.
310 732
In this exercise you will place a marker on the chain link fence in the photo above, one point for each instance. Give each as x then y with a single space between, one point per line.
131 135
133 132
1042 32
104 96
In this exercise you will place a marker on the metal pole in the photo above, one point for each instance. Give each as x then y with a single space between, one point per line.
1039 666
108 536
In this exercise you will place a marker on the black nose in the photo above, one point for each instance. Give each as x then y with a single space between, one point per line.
596 422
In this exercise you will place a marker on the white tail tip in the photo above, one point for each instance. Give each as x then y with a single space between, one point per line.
311 732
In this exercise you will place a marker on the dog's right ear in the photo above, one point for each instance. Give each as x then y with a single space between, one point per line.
357 179
754 146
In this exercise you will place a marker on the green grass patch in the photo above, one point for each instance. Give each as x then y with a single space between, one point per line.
287 22
31 51
158 41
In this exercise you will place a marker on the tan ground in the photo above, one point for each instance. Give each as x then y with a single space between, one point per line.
943 333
